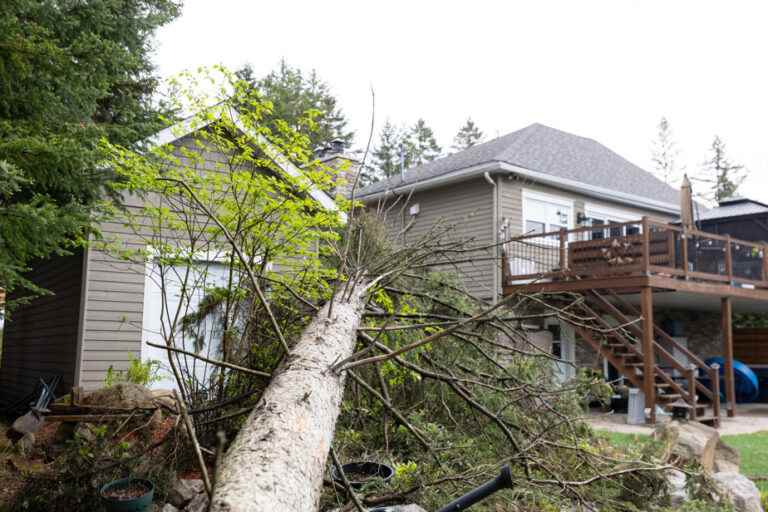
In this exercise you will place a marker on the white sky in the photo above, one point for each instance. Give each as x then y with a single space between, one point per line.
603 69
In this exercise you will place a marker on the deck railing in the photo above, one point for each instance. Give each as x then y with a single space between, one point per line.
636 247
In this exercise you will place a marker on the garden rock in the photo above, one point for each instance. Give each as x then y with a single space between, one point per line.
122 395
727 459
689 442
740 491
676 485
198 504
184 491
394 508
169 508
26 444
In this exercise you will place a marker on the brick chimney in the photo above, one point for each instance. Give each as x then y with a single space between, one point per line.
334 155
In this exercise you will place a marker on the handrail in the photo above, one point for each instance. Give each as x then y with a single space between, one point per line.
669 339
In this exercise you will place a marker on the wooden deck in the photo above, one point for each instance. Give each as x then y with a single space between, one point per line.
645 257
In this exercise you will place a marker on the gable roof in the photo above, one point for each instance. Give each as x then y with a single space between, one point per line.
560 156
734 207
193 123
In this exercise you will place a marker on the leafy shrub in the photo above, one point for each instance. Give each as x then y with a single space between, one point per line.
139 372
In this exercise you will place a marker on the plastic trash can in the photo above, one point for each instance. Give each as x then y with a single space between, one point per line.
636 407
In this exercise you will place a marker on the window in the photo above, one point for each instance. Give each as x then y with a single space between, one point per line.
545 213
602 216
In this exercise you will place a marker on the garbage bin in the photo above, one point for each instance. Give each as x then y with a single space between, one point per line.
636 407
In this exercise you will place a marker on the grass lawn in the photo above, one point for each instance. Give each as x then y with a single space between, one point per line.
753 449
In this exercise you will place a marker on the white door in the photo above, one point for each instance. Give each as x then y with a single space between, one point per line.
163 314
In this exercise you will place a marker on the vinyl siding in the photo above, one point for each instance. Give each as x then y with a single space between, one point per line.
511 202
40 339
467 209
114 300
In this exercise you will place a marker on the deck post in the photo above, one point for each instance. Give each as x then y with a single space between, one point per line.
765 262
729 258
646 246
563 254
730 388
649 357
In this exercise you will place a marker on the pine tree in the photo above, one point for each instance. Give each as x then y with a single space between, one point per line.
665 153
295 96
468 136
722 176
71 74
386 155
420 145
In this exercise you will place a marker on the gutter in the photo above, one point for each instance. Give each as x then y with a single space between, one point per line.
539 177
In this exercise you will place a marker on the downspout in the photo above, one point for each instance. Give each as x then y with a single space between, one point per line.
495 225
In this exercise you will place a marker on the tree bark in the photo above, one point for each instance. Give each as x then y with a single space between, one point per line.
278 458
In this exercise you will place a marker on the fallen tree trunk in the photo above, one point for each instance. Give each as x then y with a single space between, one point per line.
277 460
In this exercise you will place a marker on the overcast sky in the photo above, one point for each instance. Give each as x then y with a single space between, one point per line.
602 69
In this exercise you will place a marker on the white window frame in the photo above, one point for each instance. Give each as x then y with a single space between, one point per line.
535 195
608 214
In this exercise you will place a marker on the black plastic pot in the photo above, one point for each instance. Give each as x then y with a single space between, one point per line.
370 469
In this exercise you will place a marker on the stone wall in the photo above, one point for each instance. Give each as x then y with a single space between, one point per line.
701 328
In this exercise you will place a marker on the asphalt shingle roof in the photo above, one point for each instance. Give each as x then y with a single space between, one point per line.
546 150
735 207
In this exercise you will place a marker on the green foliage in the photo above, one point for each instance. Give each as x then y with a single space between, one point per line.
421 146
468 136
71 73
139 372
720 175
665 153
292 95
221 215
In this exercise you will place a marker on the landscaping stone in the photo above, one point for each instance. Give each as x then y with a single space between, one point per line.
26 444
676 482
690 442
198 504
169 508
740 491
122 395
184 491
727 459
393 508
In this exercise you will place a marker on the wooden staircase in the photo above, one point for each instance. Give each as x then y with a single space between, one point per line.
616 332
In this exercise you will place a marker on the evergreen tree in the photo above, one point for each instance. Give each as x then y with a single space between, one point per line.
420 145
295 96
386 155
665 153
468 136
721 176
71 73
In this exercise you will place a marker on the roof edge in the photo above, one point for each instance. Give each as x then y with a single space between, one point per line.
192 123
499 166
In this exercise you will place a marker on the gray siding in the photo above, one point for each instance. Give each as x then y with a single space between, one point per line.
40 339
468 209
511 202
114 299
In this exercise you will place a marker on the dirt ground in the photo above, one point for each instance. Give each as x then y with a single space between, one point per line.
15 469
750 418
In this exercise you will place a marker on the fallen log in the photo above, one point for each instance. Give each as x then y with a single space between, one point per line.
277 460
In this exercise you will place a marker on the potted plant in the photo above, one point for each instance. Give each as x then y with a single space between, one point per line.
128 495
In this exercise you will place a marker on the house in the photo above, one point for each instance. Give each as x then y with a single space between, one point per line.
555 212
738 217
103 307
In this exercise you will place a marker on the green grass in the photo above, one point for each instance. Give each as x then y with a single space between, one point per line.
753 449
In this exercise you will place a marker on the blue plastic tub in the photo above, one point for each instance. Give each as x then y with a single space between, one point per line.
747 385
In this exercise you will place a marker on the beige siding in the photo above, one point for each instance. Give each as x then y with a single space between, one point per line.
512 202
467 209
40 339
114 300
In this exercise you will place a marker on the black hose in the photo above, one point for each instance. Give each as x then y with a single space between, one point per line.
503 481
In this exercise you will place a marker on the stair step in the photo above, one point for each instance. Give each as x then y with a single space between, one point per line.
671 396
680 404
